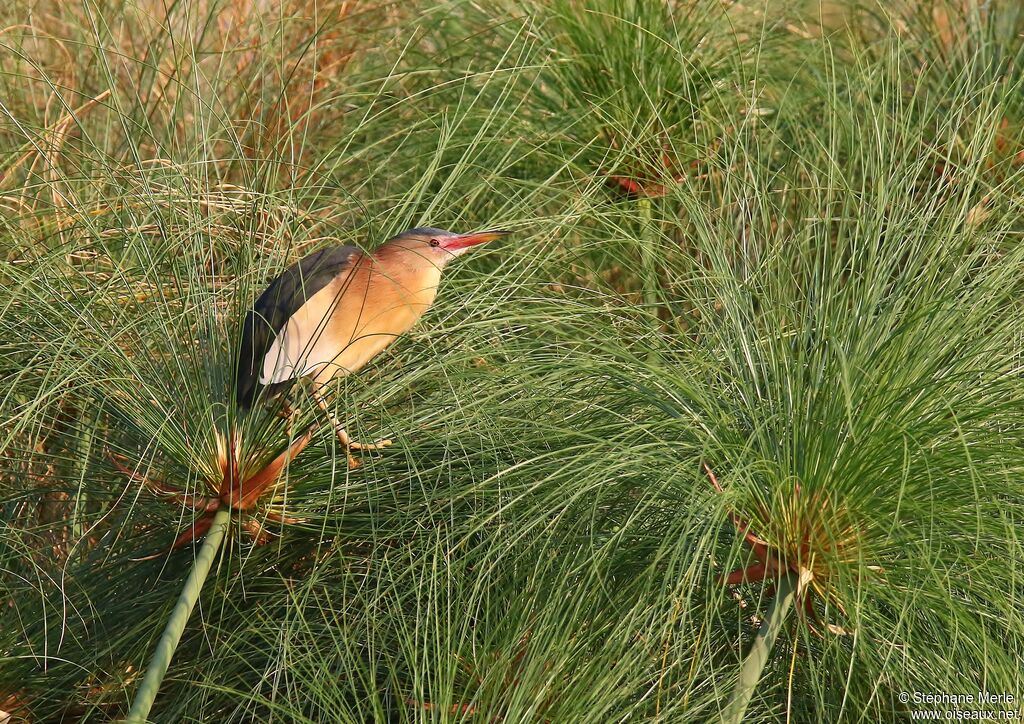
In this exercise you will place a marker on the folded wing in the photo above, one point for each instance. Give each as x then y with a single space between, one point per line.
285 320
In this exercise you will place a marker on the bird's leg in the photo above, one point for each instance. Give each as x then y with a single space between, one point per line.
287 411
339 429
288 414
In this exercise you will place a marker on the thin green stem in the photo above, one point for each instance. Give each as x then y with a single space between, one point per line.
648 265
150 686
753 665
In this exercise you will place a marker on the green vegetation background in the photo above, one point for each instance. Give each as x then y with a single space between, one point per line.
783 243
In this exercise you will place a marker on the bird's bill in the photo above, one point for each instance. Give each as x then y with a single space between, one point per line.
461 242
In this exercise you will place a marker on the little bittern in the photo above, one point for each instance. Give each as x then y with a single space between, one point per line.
334 311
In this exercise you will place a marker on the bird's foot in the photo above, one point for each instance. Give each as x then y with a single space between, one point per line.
349 444
378 445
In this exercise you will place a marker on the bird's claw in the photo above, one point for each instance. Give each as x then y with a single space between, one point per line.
349 445
378 445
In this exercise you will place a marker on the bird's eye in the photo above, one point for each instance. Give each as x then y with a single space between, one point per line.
435 242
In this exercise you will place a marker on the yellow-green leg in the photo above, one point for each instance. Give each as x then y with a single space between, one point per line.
346 442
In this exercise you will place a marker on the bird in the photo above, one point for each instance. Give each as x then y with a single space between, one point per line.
329 314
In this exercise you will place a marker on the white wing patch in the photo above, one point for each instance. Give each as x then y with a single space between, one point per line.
295 351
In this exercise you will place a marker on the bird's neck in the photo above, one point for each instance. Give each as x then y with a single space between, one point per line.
408 270
398 257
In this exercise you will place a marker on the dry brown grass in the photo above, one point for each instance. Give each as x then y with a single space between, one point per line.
257 75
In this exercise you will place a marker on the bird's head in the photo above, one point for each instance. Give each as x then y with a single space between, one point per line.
435 246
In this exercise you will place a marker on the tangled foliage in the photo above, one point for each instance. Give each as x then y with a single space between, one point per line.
780 247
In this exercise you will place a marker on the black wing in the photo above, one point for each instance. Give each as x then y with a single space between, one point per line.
276 306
